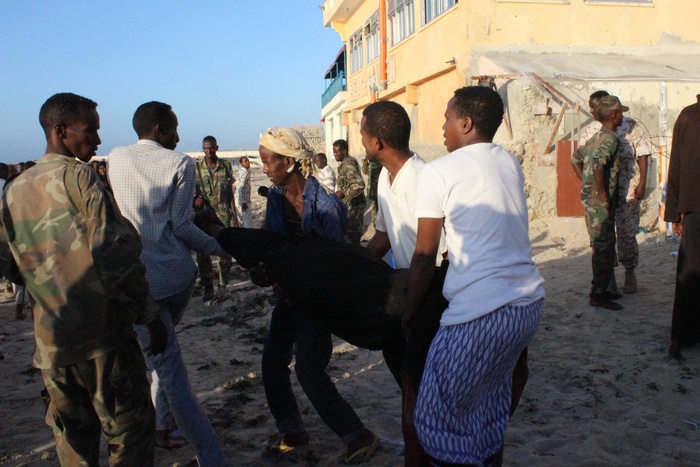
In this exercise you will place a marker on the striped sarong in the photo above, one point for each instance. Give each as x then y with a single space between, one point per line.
464 398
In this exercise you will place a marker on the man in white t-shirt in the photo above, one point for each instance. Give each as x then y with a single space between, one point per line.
494 290
324 173
385 130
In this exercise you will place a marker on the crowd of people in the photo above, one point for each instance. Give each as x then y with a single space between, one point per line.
106 253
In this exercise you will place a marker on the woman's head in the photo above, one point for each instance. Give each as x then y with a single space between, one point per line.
282 151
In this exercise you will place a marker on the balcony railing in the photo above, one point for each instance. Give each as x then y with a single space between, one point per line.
337 85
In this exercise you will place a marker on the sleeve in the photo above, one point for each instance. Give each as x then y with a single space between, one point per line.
639 140
603 153
116 250
577 156
354 184
182 213
671 213
429 201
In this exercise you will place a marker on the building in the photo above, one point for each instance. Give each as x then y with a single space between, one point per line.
544 56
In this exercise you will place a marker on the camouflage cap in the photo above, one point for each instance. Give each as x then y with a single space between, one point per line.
611 103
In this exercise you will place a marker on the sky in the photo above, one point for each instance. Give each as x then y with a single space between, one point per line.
228 68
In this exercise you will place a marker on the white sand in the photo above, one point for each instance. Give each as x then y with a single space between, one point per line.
600 390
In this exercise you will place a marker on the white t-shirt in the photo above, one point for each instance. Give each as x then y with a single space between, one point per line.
326 176
396 211
479 190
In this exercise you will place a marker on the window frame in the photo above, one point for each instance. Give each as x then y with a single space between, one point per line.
401 20
432 9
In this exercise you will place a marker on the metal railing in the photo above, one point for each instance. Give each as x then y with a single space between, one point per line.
337 85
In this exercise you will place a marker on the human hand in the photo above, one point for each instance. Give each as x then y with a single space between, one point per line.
639 191
198 202
244 207
340 194
677 228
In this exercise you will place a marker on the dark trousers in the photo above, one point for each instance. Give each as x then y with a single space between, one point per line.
685 325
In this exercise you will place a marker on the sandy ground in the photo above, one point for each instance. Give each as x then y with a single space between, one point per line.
600 390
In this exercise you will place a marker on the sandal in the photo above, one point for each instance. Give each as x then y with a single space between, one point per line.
288 443
362 454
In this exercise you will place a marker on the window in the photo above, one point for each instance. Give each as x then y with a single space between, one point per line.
401 19
434 8
356 51
372 37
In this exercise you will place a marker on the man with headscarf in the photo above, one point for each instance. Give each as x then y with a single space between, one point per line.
300 206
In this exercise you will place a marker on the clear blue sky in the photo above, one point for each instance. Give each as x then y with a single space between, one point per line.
229 68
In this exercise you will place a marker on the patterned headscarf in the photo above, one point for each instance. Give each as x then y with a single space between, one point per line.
287 142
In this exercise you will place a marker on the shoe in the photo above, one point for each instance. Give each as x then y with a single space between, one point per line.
612 295
362 454
604 302
288 443
630 285
164 441
208 294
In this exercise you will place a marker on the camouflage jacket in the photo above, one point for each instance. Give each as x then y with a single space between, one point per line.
633 144
372 170
81 265
216 188
600 151
350 180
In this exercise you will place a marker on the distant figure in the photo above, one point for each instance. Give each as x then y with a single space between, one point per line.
302 207
351 189
102 173
83 268
597 164
495 293
242 194
154 186
215 188
324 173
634 151
372 168
263 191
683 209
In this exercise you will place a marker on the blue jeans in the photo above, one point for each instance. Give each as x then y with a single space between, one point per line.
171 390
313 352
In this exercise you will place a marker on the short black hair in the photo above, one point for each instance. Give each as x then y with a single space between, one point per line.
210 139
61 109
389 122
341 143
149 115
4 170
598 94
322 155
483 105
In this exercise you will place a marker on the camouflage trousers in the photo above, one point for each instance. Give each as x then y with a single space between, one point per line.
627 223
600 223
206 269
110 394
356 217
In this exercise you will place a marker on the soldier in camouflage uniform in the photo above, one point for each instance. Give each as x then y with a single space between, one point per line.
634 150
79 258
372 169
214 184
351 189
597 164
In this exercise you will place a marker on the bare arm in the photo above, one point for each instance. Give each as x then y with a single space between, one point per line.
379 245
578 170
643 163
